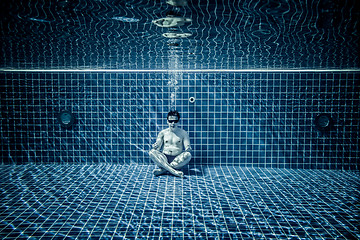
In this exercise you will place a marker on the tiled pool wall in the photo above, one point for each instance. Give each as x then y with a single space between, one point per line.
253 119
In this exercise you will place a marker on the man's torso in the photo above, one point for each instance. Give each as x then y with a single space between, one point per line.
173 142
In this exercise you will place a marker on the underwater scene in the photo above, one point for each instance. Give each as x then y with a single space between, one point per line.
179 119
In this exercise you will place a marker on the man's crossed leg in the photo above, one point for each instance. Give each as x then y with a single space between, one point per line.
161 161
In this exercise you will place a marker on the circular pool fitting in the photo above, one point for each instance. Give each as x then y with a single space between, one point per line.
66 119
192 99
323 122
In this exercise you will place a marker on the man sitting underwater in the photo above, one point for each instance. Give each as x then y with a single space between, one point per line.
171 151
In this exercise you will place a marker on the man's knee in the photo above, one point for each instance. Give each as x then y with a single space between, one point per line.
187 155
152 151
181 160
156 156
184 157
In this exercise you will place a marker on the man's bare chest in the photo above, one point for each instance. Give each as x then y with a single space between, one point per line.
172 138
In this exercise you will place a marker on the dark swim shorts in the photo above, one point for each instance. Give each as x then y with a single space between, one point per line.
170 158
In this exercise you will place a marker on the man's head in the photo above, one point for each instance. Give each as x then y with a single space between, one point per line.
173 118
173 114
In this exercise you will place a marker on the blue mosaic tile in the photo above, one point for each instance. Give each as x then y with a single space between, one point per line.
245 119
222 202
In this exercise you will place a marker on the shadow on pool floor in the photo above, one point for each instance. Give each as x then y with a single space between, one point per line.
128 202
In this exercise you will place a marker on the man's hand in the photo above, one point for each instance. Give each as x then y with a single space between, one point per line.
188 149
155 146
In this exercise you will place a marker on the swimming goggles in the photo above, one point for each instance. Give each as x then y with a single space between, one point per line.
173 121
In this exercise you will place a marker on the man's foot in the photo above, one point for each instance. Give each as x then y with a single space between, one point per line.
179 174
159 171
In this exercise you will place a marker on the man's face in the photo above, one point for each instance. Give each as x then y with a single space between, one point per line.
172 121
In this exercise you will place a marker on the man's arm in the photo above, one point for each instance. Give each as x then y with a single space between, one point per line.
187 145
159 141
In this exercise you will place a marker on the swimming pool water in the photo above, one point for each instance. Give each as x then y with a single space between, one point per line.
260 71
226 34
218 202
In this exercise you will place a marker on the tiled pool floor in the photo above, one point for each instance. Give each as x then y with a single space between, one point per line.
128 202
